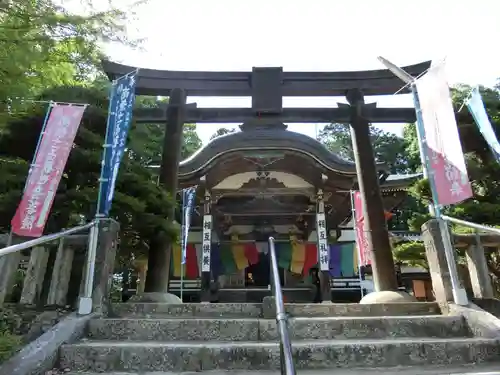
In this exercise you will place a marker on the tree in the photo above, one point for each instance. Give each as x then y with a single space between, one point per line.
139 205
388 147
43 45
222 131
483 170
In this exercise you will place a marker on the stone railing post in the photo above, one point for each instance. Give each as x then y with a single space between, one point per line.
107 244
8 268
33 281
478 270
438 267
61 274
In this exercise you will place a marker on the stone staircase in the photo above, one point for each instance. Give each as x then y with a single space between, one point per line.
149 337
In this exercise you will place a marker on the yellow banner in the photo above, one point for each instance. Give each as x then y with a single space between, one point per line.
176 260
298 257
238 251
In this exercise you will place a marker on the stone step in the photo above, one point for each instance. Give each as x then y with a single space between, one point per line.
212 329
254 310
208 310
102 356
426 370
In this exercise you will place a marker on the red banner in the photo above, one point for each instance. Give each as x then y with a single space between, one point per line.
444 150
43 181
359 225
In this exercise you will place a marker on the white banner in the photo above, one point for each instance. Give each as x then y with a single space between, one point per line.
323 251
206 243
444 150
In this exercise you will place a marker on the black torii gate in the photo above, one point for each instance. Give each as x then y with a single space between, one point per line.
267 87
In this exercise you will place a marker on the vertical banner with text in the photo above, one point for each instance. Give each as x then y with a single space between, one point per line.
476 108
444 150
188 196
119 118
206 243
46 172
323 251
359 225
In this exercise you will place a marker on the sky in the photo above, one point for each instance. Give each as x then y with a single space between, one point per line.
315 35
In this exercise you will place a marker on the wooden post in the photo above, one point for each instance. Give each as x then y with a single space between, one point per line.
384 274
160 252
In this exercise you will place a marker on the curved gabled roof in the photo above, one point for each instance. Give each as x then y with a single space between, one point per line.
258 140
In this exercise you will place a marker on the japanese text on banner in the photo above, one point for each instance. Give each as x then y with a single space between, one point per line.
206 243
188 196
359 224
119 118
323 251
43 181
444 150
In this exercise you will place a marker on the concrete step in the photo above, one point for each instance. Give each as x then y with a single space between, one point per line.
102 356
254 310
211 329
426 370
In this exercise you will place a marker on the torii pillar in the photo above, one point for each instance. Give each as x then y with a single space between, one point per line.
160 250
382 262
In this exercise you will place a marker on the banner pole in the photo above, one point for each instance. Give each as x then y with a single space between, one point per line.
183 240
459 293
30 169
360 263
85 305
105 147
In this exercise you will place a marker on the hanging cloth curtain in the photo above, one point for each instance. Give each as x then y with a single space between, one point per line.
346 259
227 259
238 250
176 260
191 266
311 257
251 253
335 262
298 255
284 254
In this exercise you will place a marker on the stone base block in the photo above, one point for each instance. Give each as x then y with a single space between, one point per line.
387 296
156 297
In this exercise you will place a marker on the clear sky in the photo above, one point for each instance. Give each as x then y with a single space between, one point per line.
316 35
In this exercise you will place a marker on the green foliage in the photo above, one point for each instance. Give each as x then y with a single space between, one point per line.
9 345
139 204
388 148
44 45
411 253
483 172
222 131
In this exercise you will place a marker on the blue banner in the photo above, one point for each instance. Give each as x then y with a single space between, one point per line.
188 197
478 111
121 104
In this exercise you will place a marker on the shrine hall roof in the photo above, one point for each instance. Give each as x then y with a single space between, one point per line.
238 145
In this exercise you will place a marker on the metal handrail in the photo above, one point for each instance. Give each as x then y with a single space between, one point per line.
286 358
471 225
44 239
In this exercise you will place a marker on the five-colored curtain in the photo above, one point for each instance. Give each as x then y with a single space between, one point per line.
298 257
